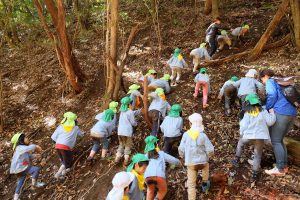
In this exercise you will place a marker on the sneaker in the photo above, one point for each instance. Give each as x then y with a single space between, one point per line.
227 112
16 197
117 159
40 184
250 162
286 169
235 162
205 106
254 176
275 172
206 187
64 172
195 95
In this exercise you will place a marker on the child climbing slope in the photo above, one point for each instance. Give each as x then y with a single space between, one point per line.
196 149
135 95
21 162
254 129
125 129
156 171
163 82
202 80
172 127
65 137
199 54
176 63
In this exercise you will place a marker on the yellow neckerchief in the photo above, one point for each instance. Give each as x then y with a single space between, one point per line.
125 197
254 113
193 134
140 179
157 149
68 128
163 97
179 57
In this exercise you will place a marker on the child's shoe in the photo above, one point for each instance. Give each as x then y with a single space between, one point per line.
126 160
16 197
236 162
275 172
227 112
254 176
60 170
64 172
118 158
103 153
205 186
195 95
286 169
205 106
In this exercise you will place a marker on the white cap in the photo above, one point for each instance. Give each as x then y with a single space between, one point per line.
120 181
196 120
251 73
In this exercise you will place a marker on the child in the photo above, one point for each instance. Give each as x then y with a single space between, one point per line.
163 83
223 39
135 95
199 54
65 137
176 63
229 92
138 167
157 109
156 171
254 128
172 128
196 149
239 33
121 184
125 129
247 85
211 35
202 79
21 162
101 131
151 75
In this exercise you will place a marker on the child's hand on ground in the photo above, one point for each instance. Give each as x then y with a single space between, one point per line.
38 149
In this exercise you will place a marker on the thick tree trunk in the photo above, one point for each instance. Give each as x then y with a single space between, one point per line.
295 8
215 8
113 45
1 105
208 7
293 148
145 101
272 26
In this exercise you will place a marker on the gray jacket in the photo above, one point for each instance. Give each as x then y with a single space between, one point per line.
201 53
195 151
102 128
60 136
162 84
159 104
135 193
126 122
21 158
175 62
172 126
247 86
256 127
226 84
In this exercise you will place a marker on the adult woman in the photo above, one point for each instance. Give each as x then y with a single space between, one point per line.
285 113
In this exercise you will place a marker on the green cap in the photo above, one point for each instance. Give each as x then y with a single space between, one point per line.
223 32
252 99
125 101
234 78
151 71
15 139
108 115
150 143
202 45
159 91
69 119
176 52
175 110
203 70
136 159
246 26
113 106
166 77
133 88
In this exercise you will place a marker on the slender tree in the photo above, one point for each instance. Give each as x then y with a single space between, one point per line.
295 9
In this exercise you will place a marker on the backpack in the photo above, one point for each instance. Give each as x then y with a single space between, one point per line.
287 86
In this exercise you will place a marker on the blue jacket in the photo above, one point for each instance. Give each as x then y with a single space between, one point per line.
276 100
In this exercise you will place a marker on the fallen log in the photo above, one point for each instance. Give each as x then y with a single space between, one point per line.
293 148
243 54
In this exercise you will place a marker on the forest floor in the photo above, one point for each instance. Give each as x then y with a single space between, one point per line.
36 96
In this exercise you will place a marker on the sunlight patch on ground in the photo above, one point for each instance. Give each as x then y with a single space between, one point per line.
49 121
32 107
131 75
19 86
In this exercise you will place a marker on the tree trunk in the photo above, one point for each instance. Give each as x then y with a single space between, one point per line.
272 26
295 8
293 148
1 105
208 7
113 45
215 8
145 101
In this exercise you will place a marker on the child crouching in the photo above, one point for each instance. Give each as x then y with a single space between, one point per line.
21 162
254 129
196 149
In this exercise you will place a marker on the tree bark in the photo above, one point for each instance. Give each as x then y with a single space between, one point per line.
208 7
215 8
272 26
1 105
145 101
295 8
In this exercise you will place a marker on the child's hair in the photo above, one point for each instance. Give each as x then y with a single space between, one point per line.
153 154
266 72
142 163
252 108
217 19
21 140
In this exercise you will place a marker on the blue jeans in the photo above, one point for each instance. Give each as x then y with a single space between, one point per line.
32 170
97 143
277 132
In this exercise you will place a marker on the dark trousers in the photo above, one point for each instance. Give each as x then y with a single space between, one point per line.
169 142
230 94
155 117
213 45
243 103
66 157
